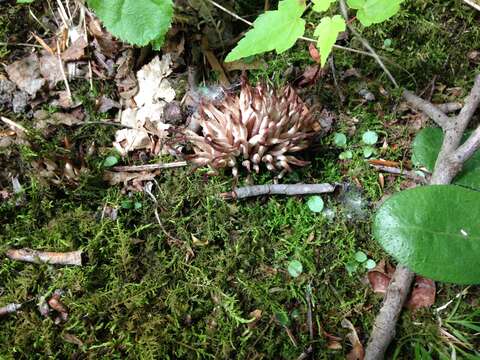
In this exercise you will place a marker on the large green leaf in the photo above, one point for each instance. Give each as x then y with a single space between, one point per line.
356 4
327 32
434 230
426 147
322 5
135 21
377 11
274 30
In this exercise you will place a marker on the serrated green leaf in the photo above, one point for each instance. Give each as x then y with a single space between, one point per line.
340 139
356 4
434 230
370 137
327 32
377 11
295 268
137 22
425 149
321 5
315 203
274 30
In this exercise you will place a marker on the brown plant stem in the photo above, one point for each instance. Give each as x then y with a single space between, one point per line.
449 162
56 258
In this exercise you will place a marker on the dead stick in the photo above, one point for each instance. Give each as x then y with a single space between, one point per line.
278 189
449 162
398 171
150 167
9 309
56 258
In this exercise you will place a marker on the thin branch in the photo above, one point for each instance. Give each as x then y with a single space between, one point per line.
278 189
383 331
397 171
468 148
19 44
450 107
149 167
57 258
471 103
13 124
365 43
473 4
9 309
432 111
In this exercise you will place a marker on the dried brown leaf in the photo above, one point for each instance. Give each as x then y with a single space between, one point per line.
423 294
25 73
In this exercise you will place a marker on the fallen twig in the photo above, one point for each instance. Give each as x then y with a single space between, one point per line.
150 167
449 162
473 4
278 189
397 171
13 124
9 309
56 258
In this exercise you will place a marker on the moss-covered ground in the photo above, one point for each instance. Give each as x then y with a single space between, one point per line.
223 290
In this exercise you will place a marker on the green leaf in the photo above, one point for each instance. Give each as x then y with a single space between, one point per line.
425 149
327 32
370 264
282 318
345 155
25 1
368 151
434 230
356 4
360 256
370 137
322 5
340 139
377 11
110 161
274 30
295 268
351 267
315 203
135 21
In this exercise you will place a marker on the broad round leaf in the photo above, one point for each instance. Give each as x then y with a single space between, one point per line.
434 230
315 203
425 149
377 11
370 264
135 21
295 268
368 151
110 161
345 155
370 137
322 5
340 139
360 256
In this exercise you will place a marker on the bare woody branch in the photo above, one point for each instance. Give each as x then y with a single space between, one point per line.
428 108
450 161
56 258
278 189
9 309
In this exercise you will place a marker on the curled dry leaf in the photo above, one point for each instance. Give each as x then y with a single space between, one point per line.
25 73
423 294
56 304
379 277
357 352
154 93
